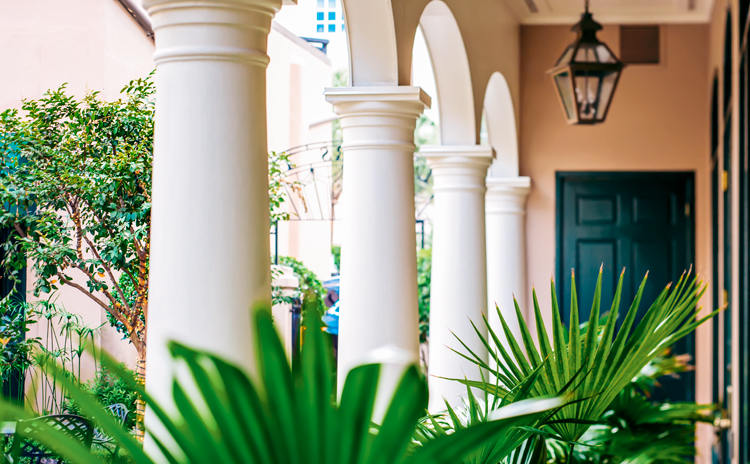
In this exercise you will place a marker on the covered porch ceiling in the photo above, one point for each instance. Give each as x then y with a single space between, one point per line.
614 11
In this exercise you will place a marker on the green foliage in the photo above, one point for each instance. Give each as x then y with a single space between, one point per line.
424 279
109 388
130 295
16 347
336 252
309 284
65 342
638 431
477 411
278 164
591 367
75 180
288 416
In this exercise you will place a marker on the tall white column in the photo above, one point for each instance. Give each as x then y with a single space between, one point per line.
506 249
379 317
459 267
210 254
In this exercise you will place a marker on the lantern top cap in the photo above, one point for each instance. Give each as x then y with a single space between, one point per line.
587 27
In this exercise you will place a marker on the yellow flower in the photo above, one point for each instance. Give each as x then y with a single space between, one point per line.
101 274
4 341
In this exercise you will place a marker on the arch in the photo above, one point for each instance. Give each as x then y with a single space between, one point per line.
450 65
371 34
501 127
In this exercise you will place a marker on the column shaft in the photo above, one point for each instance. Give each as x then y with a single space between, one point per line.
210 249
379 319
459 267
506 249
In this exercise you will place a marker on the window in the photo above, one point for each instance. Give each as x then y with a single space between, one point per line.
321 3
321 28
332 16
331 3
343 27
321 16
331 28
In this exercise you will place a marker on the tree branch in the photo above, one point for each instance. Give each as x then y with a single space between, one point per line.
109 273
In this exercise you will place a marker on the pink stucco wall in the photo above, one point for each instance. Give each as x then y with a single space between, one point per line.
659 121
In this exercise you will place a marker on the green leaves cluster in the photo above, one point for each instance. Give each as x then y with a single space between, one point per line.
75 184
287 417
108 388
596 365
424 283
309 284
278 184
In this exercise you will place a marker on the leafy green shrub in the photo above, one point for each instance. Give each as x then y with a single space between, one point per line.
109 388
76 173
16 348
336 252
424 279
308 282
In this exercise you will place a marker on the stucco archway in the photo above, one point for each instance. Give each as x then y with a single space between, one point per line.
373 59
452 75
501 127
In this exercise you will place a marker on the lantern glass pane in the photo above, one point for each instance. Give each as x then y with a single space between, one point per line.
607 88
567 55
604 55
587 95
565 88
594 53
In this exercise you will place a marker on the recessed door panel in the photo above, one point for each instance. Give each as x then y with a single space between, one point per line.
638 221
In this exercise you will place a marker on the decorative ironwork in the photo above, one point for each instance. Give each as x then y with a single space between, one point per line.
314 182
26 446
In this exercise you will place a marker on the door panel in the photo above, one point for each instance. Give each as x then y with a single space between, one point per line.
638 221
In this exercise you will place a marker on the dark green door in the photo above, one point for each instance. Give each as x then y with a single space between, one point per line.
639 221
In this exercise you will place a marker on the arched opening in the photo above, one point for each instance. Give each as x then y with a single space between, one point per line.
372 42
500 122
450 66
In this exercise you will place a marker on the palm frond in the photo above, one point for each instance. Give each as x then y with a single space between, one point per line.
595 363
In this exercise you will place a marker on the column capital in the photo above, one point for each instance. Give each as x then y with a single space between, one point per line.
377 99
212 30
378 117
458 167
507 194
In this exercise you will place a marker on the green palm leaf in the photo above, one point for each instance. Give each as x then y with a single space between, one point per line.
594 365
292 417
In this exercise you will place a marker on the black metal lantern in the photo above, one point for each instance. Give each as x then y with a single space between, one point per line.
586 74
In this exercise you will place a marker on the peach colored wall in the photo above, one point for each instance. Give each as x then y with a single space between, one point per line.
659 121
297 75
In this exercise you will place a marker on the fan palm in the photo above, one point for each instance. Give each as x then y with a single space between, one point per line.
634 430
289 416
592 366
478 411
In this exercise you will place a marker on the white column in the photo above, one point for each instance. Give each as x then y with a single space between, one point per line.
459 267
506 249
210 254
379 318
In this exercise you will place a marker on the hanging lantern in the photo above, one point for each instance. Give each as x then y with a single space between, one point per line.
586 74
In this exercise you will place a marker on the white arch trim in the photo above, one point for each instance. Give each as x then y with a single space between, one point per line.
452 75
501 127
373 59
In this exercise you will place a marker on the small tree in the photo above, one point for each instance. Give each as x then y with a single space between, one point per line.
75 183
